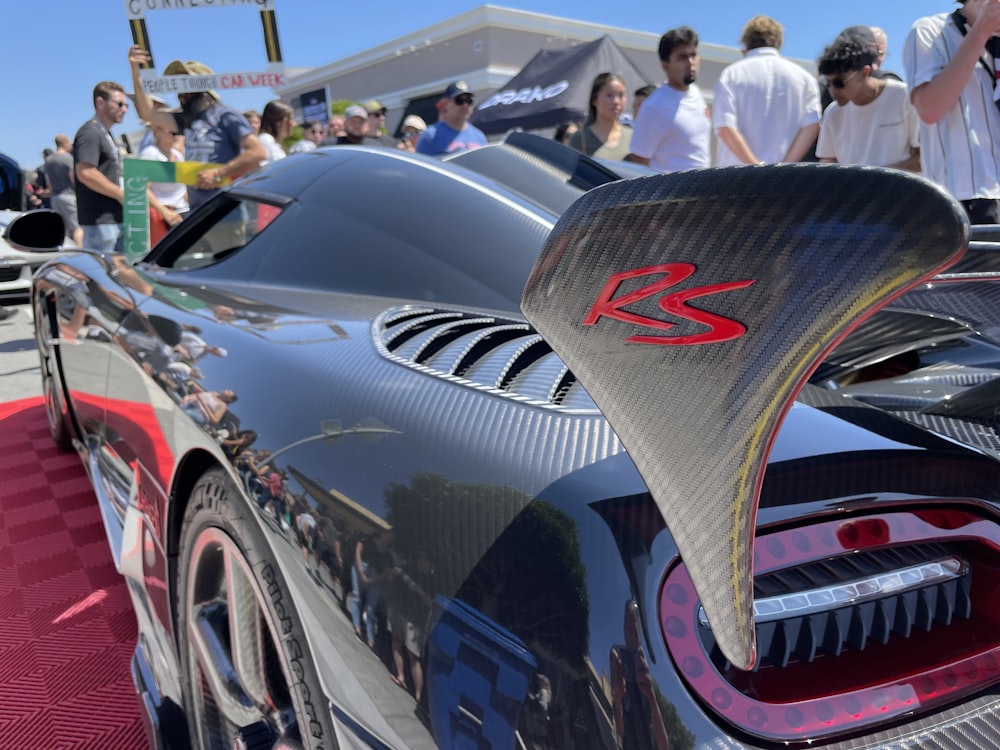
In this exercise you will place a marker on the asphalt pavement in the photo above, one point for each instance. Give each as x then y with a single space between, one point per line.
19 374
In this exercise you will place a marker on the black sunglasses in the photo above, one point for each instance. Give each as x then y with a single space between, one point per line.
839 83
463 99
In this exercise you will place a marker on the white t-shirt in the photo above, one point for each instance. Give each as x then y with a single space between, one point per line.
882 132
768 99
272 147
961 151
301 147
673 129
172 194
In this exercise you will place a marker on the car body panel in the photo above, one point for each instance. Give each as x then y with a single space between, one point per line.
18 262
547 553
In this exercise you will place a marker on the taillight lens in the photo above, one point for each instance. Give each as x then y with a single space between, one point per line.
853 687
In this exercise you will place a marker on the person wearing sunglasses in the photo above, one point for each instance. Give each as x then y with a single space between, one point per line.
98 171
452 132
313 134
951 71
214 133
870 120
412 127
377 135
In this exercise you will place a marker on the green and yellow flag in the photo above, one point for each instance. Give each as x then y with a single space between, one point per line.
137 174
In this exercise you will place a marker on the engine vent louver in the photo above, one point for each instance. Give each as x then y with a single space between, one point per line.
503 355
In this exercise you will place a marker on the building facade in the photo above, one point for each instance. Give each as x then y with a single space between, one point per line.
485 47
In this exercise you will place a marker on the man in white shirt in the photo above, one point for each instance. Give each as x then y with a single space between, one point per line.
672 128
872 121
952 86
766 108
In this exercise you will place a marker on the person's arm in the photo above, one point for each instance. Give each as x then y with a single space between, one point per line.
252 154
736 143
144 108
911 164
91 177
170 217
637 159
44 189
937 96
802 142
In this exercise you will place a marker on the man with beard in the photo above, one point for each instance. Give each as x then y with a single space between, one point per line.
213 132
355 126
672 128
98 171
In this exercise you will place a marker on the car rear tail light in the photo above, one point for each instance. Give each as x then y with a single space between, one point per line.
859 622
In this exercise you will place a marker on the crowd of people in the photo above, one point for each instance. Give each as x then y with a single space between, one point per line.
767 109
943 122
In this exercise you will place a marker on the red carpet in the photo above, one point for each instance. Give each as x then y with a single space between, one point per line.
67 629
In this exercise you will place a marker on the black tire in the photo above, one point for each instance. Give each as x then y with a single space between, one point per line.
52 390
258 651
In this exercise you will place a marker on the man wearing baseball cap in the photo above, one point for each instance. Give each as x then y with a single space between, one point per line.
376 124
452 132
355 126
213 132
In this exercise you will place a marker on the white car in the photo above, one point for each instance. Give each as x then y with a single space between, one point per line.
31 247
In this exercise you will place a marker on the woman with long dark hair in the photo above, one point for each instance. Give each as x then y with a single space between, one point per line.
604 136
276 125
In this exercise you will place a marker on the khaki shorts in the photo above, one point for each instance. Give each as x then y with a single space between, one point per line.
64 204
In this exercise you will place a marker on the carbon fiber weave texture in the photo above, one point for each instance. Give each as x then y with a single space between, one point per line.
798 254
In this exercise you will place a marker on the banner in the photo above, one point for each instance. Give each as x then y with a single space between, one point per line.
314 105
136 176
272 76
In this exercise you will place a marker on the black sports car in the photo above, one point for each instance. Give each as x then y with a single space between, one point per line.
405 453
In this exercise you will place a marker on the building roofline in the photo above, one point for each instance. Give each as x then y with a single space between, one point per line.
489 16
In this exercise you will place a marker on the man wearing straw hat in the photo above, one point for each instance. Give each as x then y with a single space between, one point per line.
213 132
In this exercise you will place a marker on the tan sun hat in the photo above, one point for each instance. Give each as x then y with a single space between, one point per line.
190 68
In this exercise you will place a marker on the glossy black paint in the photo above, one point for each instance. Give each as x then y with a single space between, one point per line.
525 522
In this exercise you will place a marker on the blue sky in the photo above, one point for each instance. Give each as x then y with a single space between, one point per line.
56 51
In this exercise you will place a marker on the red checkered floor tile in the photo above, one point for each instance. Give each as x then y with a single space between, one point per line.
67 629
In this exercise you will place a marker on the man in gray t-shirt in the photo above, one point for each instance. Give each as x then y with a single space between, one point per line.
59 170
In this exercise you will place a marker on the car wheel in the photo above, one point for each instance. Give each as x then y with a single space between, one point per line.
52 392
250 680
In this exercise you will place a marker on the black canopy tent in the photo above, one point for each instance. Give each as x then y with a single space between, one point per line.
554 87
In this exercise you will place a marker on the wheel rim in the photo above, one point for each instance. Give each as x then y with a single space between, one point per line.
236 676
53 402
50 387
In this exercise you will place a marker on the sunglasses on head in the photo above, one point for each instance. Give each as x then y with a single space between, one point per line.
463 99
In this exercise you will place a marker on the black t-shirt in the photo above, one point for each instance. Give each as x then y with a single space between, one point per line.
94 145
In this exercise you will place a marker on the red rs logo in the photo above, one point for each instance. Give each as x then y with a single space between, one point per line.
719 328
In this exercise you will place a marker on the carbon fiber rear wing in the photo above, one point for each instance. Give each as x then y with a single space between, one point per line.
694 306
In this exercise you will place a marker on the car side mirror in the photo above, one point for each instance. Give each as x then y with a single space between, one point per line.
36 230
